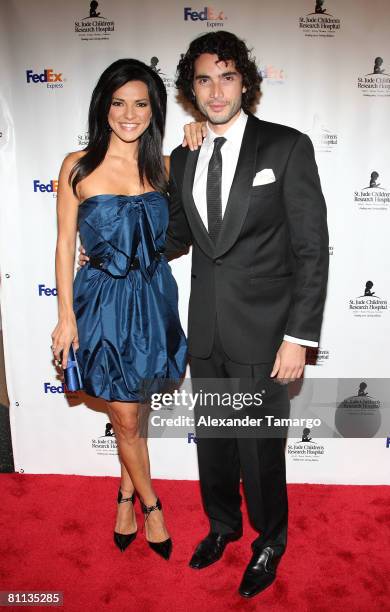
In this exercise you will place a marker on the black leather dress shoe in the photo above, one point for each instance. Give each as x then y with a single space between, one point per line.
211 548
260 572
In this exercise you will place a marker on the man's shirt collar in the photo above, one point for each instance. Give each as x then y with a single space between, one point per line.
233 135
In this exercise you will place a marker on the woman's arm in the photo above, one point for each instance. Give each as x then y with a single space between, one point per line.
65 332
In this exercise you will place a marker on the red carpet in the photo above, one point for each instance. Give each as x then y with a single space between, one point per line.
56 534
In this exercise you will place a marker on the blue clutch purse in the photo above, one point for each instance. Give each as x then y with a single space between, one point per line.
72 376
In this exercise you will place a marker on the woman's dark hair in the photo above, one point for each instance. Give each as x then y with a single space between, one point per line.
228 47
150 159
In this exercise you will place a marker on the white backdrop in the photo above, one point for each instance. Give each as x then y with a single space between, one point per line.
318 77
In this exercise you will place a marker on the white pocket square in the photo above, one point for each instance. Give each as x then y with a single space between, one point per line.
264 177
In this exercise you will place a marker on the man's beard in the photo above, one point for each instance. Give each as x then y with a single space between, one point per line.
220 119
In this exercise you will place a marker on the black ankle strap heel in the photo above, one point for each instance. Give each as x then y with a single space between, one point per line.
122 499
164 548
148 509
122 540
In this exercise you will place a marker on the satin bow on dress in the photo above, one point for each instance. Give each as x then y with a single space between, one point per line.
117 238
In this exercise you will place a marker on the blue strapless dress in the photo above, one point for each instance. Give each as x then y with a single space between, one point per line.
126 298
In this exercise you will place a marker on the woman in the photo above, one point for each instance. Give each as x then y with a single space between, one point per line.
122 315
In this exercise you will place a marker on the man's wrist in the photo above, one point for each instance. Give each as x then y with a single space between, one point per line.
300 341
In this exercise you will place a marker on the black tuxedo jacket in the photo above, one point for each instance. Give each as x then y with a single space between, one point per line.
267 274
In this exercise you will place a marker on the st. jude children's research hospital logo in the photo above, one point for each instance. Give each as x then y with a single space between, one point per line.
377 82
212 17
319 23
324 139
317 356
369 304
374 196
82 138
169 81
358 416
47 76
105 444
94 26
305 449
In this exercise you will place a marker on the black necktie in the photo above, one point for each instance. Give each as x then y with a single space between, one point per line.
213 190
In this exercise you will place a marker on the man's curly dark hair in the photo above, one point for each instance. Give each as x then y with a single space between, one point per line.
228 47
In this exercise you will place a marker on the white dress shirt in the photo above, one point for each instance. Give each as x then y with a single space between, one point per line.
230 152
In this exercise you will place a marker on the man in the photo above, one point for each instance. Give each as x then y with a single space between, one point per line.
250 204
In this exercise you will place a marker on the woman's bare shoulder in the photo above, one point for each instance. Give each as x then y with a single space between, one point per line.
72 158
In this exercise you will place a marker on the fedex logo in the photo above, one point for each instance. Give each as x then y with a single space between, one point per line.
270 72
53 80
387 442
43 290
47 76
49 388
191 438
50 187
207 14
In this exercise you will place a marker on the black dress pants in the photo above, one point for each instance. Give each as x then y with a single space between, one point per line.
259 460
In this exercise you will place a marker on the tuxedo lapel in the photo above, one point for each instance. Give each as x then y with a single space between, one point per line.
195 221
240 192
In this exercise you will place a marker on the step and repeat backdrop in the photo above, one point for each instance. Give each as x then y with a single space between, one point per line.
326 72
